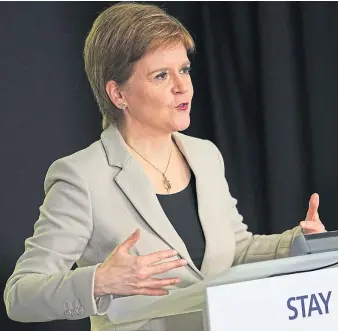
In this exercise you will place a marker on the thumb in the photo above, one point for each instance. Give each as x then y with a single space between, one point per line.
312 207
130 241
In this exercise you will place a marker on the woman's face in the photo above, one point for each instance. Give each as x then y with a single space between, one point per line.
159 93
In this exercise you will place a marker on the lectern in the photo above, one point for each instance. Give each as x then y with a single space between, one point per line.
295 293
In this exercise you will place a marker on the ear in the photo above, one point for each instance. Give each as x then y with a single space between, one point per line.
113 92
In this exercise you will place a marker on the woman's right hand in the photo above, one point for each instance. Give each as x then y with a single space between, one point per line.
124 274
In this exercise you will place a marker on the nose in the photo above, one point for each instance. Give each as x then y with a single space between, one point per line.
181 84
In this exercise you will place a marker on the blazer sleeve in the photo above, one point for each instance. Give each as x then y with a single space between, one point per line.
254 248
43 287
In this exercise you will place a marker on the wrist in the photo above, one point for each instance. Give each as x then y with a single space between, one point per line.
99 286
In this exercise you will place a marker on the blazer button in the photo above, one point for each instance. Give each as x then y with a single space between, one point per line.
68 313
80 310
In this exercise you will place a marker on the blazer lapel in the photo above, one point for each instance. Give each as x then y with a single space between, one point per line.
207 183
138 189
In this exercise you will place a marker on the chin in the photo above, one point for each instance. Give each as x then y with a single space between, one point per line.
182 124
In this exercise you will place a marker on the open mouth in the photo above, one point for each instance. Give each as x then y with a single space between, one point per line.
182 106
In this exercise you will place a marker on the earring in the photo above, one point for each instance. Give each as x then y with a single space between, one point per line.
122 106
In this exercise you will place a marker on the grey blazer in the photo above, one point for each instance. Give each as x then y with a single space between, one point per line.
94 199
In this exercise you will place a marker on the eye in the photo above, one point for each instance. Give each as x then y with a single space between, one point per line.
186 70
162 76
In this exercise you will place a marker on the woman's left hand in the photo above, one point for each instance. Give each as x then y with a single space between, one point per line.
312 223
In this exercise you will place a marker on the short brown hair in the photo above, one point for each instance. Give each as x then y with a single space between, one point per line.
119 37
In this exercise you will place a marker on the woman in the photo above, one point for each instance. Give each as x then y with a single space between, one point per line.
142 181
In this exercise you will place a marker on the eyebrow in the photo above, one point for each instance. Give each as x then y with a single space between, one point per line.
164 69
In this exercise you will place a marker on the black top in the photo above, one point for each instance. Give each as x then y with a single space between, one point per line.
182 210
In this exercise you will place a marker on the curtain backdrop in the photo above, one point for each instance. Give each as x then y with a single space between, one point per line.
265 79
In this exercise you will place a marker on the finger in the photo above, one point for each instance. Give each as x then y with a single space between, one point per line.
164 267
313 227
157 256
315 218
312 207
150 291
130 241
158 282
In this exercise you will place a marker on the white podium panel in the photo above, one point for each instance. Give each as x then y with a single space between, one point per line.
303 301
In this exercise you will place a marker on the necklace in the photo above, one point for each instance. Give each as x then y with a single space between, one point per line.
166 182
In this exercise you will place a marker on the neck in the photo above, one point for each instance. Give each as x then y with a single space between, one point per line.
150 143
